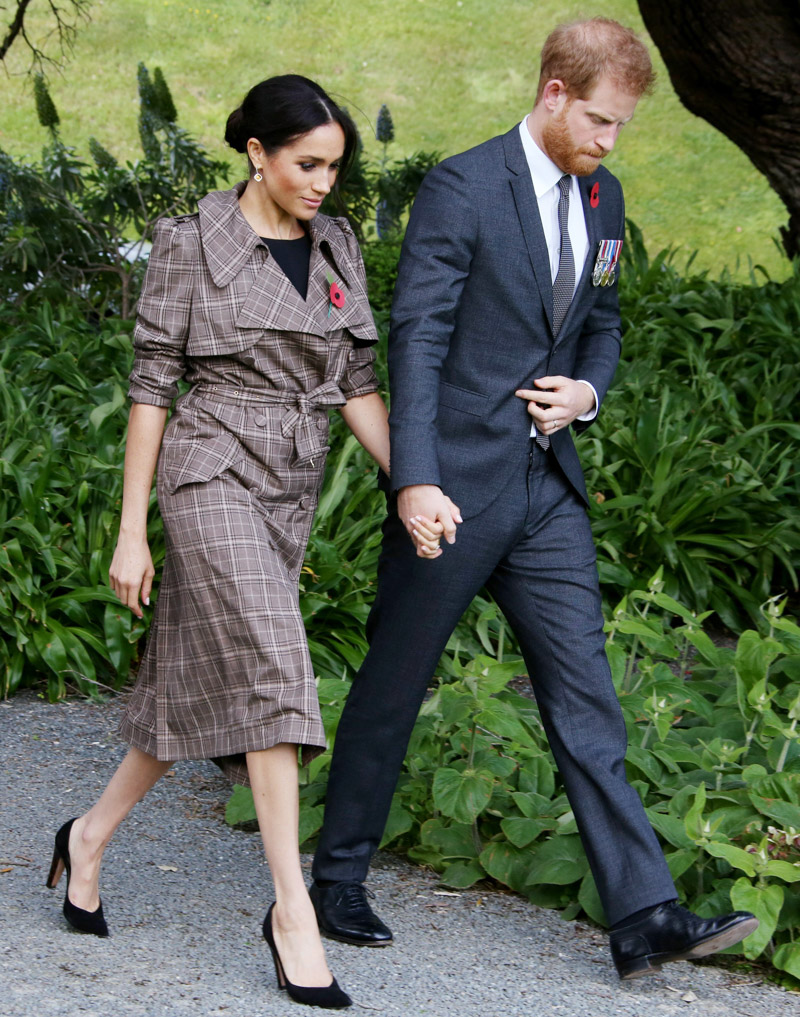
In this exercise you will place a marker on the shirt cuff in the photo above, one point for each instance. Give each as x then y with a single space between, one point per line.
584 416
593 412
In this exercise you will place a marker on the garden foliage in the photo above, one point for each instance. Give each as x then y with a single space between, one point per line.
695 511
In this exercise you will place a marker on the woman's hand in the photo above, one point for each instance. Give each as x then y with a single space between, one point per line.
131 572
426 536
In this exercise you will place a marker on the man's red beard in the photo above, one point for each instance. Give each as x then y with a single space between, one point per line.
558 144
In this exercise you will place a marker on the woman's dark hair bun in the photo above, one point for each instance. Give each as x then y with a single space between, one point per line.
281 109
234 131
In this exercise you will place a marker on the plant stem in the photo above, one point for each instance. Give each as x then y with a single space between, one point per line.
476 837
471 759
785 749
631 660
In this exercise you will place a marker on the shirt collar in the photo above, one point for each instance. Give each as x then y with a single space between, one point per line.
544 172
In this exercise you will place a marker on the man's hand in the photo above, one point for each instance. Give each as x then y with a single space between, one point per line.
427 514
560 401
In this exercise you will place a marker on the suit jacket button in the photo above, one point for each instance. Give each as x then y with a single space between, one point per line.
321 424
260 419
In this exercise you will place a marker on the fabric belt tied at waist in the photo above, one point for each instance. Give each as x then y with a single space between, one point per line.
297 422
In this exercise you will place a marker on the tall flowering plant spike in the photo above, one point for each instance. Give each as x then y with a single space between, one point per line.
384 129
163 97
45 107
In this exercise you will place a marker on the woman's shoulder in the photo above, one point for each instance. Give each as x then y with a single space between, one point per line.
177 236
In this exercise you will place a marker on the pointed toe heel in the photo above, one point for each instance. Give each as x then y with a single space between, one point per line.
329 997
91 922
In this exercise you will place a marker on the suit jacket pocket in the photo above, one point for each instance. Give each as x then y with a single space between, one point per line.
462 399
198 460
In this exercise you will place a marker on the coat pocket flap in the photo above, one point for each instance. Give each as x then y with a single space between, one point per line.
462 399
197 460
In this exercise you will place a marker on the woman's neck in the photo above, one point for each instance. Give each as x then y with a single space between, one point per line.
266 218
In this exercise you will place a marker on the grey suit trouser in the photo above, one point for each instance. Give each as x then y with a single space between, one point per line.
532 549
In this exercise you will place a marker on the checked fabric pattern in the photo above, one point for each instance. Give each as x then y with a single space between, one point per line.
564 283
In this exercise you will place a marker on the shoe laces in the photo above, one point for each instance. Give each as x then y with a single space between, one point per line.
354 895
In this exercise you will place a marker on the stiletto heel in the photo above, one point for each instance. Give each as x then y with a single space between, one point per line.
92 922
330 996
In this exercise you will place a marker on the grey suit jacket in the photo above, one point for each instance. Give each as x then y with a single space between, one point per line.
472 322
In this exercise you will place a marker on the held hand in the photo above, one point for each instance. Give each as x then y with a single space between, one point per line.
424 508
560 401
132 572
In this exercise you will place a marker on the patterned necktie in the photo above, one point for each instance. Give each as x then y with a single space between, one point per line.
564 282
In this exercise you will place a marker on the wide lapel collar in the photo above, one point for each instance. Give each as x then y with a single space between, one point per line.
591 217
229 243
331 261
529 218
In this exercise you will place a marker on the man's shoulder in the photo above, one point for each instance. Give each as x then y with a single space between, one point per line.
478 155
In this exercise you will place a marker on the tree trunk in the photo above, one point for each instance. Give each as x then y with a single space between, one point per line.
736 64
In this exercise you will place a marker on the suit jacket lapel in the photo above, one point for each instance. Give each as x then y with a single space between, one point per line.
529 219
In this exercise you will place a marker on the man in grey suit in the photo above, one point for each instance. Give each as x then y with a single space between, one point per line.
505 331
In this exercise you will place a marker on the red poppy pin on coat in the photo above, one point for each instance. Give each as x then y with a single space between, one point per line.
594 196
335 294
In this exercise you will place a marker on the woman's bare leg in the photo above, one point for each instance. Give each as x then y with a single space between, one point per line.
90 833
273 776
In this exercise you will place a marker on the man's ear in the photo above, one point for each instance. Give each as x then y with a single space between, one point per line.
554 95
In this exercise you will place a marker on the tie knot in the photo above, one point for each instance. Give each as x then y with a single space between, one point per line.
565 183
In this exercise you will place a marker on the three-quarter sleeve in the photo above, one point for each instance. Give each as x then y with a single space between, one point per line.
162 325
359 376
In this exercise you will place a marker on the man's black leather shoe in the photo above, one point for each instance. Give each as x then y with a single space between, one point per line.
672 933
344 914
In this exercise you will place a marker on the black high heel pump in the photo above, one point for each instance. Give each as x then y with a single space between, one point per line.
330 996
92 922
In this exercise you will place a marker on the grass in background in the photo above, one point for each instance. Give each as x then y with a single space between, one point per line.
453 72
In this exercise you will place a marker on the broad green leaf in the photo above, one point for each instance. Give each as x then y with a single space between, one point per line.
521 831
765 903
671 828
787 958
538 776
531 804
680 861
694 817
560 860
399 822
589 900
733 855
786 871
507 864
782 812
502 719
462 796
310 822
240 807
462 875
453 840
645 762
754 654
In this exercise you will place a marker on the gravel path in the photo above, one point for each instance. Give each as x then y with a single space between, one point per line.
185 897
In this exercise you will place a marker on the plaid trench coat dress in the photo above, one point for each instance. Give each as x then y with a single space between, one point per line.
227 668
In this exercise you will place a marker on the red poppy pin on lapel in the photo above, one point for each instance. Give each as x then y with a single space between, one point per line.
594 196
335 295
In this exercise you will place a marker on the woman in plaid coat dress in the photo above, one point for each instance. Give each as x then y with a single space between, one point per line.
267 350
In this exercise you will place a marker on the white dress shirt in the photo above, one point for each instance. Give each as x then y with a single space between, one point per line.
545 176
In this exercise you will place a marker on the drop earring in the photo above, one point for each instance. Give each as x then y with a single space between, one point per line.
257 176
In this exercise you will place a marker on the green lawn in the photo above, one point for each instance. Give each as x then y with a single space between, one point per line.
453 73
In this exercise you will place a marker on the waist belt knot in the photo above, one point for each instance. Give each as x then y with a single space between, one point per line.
298 421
